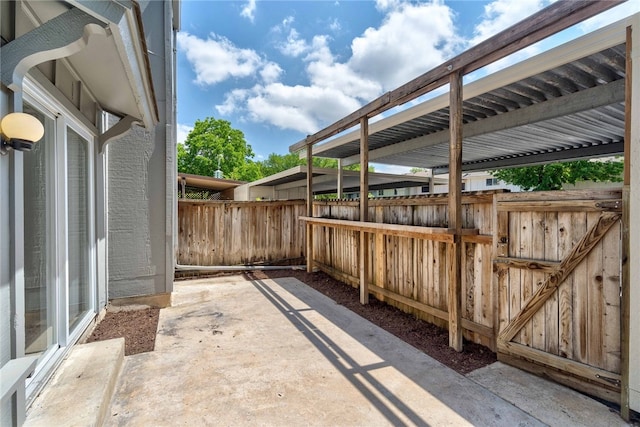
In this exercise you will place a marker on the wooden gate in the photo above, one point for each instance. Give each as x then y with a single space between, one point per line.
557 267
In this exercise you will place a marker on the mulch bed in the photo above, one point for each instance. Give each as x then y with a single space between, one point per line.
138 327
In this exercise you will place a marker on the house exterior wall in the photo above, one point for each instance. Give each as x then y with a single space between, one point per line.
142 179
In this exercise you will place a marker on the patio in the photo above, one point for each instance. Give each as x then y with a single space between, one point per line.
276 352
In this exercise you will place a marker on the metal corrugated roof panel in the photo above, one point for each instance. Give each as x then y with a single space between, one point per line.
591 117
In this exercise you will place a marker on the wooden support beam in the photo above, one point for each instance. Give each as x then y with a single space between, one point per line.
364 209
625 309
455 210
309 209
340 186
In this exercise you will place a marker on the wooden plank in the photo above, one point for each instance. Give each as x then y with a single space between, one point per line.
430 233
408 301
580 302
595 375
551 308
538 236
527 264
501 276
565 290
572 381
547 196
578 253
364 267
630 108
559 206
364 209
526 278
548 21
515 279
611 264
309 234
455 209
483 239
625 309
595 301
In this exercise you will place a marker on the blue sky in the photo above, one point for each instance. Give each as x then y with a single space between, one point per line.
279 70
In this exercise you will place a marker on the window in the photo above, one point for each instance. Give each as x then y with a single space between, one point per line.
492 181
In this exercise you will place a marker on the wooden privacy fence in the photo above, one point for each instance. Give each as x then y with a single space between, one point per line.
410 269
540 282
223 233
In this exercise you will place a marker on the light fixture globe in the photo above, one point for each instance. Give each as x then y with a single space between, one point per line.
21 131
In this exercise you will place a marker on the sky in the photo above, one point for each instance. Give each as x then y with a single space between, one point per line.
280 70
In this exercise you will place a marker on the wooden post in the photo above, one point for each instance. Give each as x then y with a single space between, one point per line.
340 187
183 185
625 304
309 208
455 209
364 209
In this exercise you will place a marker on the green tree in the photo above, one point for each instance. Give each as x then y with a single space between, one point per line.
551 176
279 162
209 139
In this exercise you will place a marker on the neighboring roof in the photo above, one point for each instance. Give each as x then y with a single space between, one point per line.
207 182
326 180
566 103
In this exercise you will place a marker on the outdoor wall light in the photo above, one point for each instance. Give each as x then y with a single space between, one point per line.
19 131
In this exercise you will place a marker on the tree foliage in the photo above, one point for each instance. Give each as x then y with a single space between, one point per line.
213 140
209 139
551 176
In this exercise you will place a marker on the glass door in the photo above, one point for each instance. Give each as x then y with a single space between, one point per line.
59 237
40 300
78 229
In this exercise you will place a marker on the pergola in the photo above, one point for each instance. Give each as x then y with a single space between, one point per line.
571 102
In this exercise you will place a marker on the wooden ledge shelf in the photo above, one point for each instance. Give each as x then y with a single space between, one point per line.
440 234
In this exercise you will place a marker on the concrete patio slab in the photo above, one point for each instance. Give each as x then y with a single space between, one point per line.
276 352
551 402
80 392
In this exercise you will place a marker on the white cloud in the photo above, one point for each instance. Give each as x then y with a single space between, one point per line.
217 59
233 101
182 131
301 108
404 47
294 46
335 25
249 10
386 5
271 72
501 14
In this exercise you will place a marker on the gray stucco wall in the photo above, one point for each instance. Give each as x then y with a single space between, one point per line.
141 171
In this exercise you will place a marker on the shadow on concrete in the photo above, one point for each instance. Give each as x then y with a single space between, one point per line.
464 397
